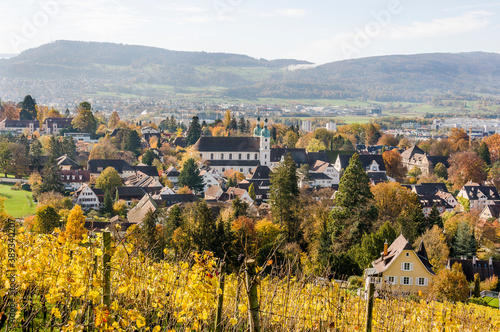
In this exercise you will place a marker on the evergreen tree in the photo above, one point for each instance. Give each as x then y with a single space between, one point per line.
484 153
464 242
242 125
372 244
148 157
51 179
251 191
434 218
283 194
150 235
231 182
28 110
204 228
441 171
412 223
108 203
130 141
85 121
190 176
233 125
355 210
68 147
239 208
35 153
55 147
173 222
194 132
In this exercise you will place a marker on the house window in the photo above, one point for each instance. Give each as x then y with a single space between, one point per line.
407 254
241 170
391 280
211 156
422 281
230 156
248 156
221 156
223 169
239 156
256 157
406 281
407 266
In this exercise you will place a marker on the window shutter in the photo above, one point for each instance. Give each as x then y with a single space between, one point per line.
411 266
402 266
411 281
426 281
395 280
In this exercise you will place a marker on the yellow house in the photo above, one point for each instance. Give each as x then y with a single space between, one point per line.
402 269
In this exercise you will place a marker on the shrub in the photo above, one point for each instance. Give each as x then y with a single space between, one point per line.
490 284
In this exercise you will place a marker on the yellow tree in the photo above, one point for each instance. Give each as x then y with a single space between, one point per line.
75 226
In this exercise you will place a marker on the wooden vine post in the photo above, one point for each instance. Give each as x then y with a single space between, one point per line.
220 299
106 272
253 299
370 296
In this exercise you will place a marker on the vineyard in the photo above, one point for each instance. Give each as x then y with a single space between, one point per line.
62 285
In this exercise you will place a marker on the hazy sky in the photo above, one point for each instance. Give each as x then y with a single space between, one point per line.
317 31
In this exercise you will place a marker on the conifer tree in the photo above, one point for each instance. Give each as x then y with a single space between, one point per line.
194 132
434 218
28 111
484 153
251 191
355 210
51 178
190 176
46 219
283 195
464 242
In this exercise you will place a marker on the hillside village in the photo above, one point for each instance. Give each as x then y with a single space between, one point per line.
352 198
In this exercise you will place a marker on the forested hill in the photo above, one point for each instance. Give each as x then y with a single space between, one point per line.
110 67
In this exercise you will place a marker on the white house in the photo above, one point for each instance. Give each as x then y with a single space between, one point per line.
88 198
208 179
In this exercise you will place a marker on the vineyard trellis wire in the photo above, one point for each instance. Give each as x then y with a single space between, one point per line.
60 287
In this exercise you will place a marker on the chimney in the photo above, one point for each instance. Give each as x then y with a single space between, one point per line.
490 262
386 245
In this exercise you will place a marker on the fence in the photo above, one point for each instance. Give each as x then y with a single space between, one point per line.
77 286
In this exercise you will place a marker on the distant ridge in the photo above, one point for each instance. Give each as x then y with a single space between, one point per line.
120 68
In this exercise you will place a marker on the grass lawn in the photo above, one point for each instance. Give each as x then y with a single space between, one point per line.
19 203
492 301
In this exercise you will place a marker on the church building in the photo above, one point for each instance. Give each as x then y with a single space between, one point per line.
241 154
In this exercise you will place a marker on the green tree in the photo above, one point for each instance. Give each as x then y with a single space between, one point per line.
203 227
173 222
239 208
108 203
283 194
148 157
464 242
131 141
151 236
194 132
108 180
51 179
372 244
441 171
477 285
46 219
484 153
35 153
251 191
28 110
412 222
355 209
85 121
434 218
190 176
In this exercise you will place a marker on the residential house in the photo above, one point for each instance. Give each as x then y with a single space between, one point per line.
213 193
140 179
137 213
490 211
18 127
74 179
66 163
233 192
172 175
479 196
129 194
148 132
208 179
167 199
326 168
485 268
88 197
373 164
148 170
415 156
52 126
428 201
319 180
96 166
402 269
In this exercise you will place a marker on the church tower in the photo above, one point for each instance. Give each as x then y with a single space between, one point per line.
265 145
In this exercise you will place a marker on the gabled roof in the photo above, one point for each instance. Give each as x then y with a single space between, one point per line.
21 123
64 160
395 249
148 170
129 193
429 188
138 212
142 180
408 153
319 166
61 122
240 144
377 177
319 176
171 171
118 164
260 173
214 191
431 200
300 156
180 141
232 163
365 159
493 209
473 192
